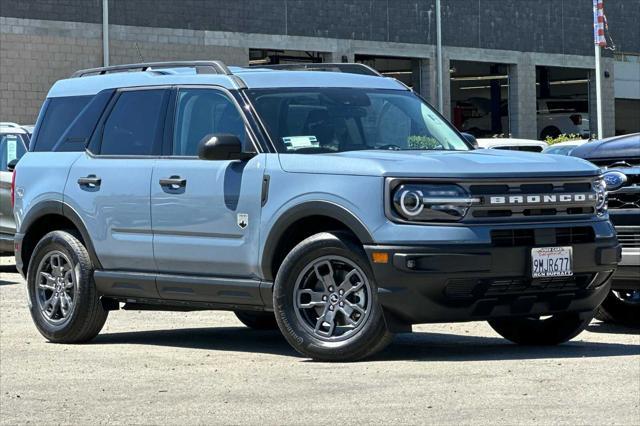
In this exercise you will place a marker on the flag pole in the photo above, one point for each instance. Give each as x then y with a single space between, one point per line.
598 92
599 42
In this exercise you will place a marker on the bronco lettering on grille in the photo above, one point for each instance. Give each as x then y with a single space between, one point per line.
580 198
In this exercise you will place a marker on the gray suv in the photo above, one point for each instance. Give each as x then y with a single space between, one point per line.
337 207
14 141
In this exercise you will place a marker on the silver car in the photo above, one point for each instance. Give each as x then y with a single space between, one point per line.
13 144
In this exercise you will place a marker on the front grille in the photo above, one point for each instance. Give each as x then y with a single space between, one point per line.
629 236
467 289
531 200
531 237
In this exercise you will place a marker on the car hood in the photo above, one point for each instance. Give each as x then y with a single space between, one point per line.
458 164
618 147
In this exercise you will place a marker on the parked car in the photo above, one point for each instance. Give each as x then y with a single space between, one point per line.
512 144
619 156
554 117
341 203
564 148
13 145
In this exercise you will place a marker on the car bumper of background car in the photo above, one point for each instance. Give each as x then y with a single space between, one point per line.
6 244
450 282
16 248
627 276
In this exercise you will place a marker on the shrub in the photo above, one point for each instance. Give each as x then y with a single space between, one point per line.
563 138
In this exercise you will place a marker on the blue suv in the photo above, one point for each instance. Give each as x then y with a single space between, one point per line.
338 207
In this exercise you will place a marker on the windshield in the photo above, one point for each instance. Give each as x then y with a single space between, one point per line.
324 120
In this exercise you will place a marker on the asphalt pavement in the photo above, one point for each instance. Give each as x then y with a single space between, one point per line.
206 367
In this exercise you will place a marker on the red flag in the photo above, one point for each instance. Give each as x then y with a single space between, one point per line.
598 23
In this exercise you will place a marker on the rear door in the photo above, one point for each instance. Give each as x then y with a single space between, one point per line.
109 185
208 222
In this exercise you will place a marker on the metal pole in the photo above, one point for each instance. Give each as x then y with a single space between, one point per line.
105 33
599 93
440 79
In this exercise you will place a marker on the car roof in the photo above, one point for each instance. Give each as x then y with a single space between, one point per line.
12 130
576 142
492 142
251 78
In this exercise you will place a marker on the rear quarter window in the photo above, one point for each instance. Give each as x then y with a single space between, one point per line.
59 114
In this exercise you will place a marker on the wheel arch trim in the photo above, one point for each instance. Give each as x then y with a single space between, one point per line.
60 208
304 210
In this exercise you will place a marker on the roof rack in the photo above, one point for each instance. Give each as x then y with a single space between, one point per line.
201 67
350 68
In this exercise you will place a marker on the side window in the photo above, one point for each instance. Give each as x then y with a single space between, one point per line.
11 148
59 115
201 112
135 124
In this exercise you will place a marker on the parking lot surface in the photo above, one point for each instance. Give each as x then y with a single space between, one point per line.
206 367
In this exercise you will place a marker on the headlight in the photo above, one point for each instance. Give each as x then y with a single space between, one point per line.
600 187
430 202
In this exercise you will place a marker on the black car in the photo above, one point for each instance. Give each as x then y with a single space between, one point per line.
619 158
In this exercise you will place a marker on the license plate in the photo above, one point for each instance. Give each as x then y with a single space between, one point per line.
551 262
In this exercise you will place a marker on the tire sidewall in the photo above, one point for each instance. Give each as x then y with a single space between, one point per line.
58 240
298 336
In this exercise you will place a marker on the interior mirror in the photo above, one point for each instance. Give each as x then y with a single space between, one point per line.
12 164
471 139
222 147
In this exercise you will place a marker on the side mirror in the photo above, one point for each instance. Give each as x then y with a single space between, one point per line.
222 147
471 139
11 166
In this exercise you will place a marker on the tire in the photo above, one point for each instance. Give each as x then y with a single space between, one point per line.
616 310
554 330
258 320
58 254
331 278
550 131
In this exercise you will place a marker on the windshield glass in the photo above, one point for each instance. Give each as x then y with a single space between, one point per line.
324 120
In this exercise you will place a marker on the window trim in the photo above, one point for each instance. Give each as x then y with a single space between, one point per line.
95 143
167 147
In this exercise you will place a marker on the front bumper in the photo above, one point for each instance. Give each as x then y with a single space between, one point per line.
455 282
6 244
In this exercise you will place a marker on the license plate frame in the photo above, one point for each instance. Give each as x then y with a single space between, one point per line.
550 262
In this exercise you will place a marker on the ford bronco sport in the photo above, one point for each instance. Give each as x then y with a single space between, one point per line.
342 203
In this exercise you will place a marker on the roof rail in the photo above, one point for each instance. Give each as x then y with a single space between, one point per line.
350 68
201 67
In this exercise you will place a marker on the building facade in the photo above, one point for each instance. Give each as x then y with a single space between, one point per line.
511 66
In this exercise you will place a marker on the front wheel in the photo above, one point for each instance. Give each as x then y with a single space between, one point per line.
326 302
553 330
63 300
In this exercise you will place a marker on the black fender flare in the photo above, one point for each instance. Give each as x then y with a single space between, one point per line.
300 211
60 208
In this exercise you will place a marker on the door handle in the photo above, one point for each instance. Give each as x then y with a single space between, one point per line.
174 182
91 181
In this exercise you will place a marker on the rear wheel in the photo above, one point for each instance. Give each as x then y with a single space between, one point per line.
63 300
257 320
552 330
622 307
326 301
550 131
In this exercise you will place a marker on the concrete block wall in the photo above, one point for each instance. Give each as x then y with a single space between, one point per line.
33 55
